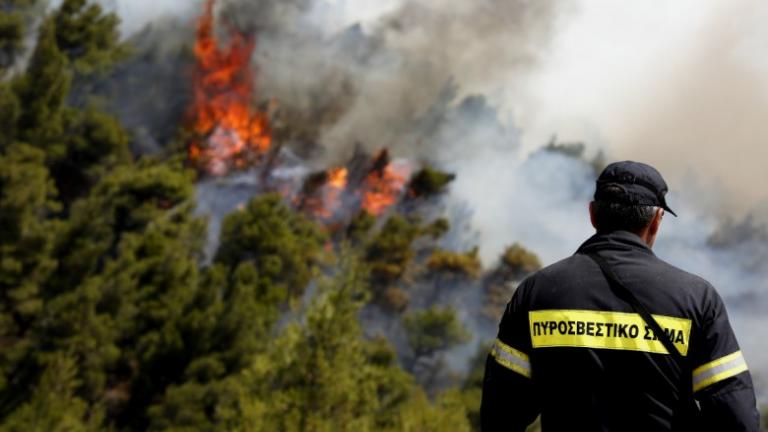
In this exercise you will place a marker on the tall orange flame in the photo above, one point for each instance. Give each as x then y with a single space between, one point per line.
230 133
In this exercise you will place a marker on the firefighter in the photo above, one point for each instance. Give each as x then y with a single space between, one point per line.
573 345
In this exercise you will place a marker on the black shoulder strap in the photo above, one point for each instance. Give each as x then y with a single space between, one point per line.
686 418
624 293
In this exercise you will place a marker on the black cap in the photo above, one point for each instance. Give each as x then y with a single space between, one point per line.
632 183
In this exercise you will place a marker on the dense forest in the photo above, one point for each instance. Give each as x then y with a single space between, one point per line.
113 318
329 308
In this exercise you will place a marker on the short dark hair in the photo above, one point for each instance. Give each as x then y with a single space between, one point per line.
613 216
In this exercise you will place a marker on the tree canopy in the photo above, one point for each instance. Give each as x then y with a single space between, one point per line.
113 318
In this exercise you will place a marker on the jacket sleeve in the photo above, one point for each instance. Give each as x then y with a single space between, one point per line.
721 380
509 401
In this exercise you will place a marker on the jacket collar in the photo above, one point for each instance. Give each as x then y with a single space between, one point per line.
615 240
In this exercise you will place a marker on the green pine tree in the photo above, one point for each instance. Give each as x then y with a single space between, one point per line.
27 235
88 36
42 91
129 258
80 144
54 406
282 244
10 110
230 321
322 375
434 329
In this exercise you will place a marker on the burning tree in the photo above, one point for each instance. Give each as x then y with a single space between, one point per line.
372 184
229 131
384 184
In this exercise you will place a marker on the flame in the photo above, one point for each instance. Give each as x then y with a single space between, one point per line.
383 185
231 133
337 182
337 178
322 193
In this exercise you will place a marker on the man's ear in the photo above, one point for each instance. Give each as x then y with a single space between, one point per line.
592 214
653 228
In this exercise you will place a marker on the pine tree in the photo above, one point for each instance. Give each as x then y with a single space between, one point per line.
444 415
42 91
500 283
33 110
80 144
10 110
54 407
230 321
323 376
129 269
459 265
127 201
26 242
434 329
428 182
282 244
389 253
95 143
314 376
88 36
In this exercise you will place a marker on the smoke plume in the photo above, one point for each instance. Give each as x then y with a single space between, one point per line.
680 85
478 87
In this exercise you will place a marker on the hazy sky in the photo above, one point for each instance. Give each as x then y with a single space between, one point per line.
681 84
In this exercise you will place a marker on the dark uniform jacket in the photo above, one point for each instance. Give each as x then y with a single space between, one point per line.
572 351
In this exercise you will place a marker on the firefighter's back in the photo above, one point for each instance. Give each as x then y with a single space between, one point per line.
594 360
581 351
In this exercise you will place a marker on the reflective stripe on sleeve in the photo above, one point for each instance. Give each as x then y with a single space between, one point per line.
718 370
511 358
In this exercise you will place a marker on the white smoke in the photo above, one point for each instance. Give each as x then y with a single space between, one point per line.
679 85
540 199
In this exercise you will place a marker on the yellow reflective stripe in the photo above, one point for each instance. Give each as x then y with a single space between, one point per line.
511 358
718 370
725 359
603 329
